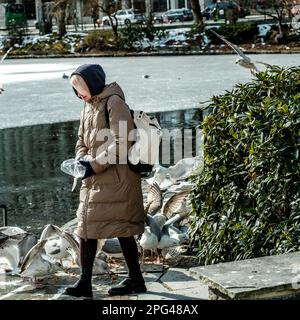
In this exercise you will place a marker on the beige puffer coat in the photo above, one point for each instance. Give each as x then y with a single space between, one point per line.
111 202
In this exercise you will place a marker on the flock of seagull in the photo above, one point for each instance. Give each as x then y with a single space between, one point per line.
57 248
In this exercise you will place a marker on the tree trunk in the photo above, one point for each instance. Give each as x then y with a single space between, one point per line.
198 18
126 4
148 4
62 30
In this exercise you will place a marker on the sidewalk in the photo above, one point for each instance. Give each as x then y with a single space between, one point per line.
162 283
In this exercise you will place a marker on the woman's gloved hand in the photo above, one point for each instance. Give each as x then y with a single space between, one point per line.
88 169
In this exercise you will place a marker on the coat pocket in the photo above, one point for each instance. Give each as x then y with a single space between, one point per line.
109 193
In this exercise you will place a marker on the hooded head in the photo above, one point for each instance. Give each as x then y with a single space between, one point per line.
93 76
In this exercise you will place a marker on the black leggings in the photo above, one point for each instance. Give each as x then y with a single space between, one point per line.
88 250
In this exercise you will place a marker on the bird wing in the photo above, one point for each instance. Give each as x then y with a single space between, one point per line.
236 48
174 203
68 237
70 225
12 231
36 249
7 52
264 63
154 199
48 232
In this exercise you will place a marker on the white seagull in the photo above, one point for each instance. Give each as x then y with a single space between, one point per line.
148 241
243 60
59 243
166 177
36 265
2 59
112 248
5 55
14 245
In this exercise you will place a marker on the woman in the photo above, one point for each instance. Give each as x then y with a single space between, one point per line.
111 202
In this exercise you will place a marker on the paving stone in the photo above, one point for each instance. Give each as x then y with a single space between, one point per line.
260 278
155 291
179 279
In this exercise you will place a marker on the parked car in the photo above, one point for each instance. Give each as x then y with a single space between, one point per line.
221 7
175 15
125 17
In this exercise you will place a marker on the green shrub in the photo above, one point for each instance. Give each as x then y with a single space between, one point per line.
131 35
236 33
246 202
101 40
197 28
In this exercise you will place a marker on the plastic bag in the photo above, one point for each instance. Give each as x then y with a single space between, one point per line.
73 168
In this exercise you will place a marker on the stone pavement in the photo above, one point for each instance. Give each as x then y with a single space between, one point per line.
163 283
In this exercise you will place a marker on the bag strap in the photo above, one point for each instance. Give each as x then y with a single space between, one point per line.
106 114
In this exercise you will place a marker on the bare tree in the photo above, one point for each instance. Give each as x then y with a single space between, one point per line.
198 18
109 7
149 11
59 9
126 4
277 9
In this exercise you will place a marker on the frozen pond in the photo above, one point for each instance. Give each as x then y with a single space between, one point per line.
36 93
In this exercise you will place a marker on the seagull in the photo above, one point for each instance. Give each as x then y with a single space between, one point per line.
148 241
58 243
173 252
170 235
146 76
166 177
154 226
14 245
100 266
5 55
2 59
65 76
36 265
243 60
112 248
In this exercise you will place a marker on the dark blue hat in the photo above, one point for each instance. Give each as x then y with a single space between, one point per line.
94 77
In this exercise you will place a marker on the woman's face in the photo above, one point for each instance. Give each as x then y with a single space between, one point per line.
81 88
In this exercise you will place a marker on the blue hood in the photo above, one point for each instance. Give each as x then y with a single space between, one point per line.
94 77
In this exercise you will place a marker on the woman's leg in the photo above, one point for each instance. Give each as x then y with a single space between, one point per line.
135 282
83 287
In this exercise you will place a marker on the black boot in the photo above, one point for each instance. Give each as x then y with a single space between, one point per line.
128 286
134 283
83 287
